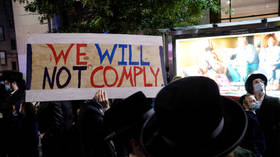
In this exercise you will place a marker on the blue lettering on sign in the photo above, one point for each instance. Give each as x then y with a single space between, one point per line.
141 58
106 53
130 57
123 47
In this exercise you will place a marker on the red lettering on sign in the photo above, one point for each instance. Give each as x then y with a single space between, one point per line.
111 76
79 54
155 75
145 81
126 75
136 73
105 79
92 75
57 58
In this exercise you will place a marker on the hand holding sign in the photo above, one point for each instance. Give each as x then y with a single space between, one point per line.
101 97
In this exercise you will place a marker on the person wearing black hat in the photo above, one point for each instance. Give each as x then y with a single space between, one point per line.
4 120
124 121
268 113
14 97
190 118
14 84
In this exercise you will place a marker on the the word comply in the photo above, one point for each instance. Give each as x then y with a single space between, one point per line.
130 69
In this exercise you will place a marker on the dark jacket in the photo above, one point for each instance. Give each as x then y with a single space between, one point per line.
29 132
92 129
11 99
269 118
51 122
51 119
11 122
254 137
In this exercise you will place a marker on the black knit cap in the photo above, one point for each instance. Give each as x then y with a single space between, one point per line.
251 78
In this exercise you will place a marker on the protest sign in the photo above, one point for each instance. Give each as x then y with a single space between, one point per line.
75 66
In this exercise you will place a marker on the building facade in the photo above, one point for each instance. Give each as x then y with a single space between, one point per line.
240 10
8 48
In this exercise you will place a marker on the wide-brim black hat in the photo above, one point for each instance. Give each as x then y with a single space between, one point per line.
251 78
12 76
191 118
5 75
126 115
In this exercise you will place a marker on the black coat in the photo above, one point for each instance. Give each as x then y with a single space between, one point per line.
254 138
11 99
269 118
10 123
55 120
92 130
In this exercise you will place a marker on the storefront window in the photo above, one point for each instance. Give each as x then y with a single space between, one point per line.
240 10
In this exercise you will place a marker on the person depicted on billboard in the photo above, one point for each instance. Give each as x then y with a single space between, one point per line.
270 59
209 63
245 60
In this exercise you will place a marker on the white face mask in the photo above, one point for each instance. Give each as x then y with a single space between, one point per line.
259 87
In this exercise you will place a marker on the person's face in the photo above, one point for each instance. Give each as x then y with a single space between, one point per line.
241 41
258 80
270 42
13 85
8 85
258 86
6 82
249 101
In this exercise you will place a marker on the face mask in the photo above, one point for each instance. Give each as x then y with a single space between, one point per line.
7 87
255 106
259 87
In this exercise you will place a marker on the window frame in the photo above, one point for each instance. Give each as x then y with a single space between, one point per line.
5 53
2 34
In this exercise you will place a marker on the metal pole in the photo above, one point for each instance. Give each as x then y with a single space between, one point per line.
278 7
229 10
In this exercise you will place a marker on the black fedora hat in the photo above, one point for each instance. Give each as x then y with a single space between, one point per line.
6 75
12 76
126 116
192 118
251 78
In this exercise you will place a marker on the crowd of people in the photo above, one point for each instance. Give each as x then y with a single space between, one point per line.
188 117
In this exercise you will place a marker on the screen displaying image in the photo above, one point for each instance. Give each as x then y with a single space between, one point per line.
229 60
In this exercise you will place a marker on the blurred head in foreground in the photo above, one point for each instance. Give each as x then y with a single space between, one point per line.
190 117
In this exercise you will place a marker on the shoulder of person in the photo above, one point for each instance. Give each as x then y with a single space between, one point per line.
272 98
93 106
274 101
242 152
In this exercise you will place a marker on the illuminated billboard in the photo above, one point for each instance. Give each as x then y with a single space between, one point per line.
230 59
